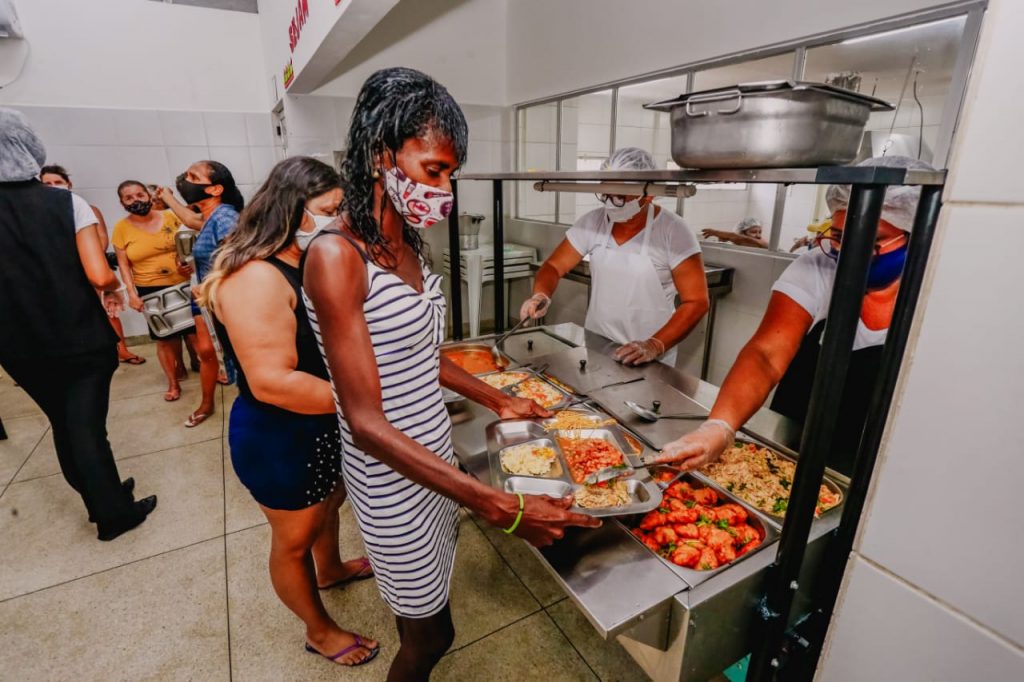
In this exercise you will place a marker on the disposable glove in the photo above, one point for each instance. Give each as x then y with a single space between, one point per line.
699 448
535 306
640 352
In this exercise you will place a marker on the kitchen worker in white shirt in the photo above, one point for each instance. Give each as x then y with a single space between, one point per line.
641 257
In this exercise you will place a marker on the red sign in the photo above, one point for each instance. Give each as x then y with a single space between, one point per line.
297 23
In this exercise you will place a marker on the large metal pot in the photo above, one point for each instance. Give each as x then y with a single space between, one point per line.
774 124
469 230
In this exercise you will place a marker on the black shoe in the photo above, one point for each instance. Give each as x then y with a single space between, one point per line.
143 508
129 487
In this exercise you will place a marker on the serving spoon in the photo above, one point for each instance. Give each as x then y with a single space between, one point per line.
499 359
653 413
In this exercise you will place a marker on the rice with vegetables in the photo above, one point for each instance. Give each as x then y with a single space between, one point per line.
607 494
763 479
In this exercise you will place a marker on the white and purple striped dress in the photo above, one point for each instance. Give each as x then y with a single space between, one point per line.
410 532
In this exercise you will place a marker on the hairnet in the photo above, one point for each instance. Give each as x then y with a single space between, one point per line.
745 225
900 203
629 158
22 153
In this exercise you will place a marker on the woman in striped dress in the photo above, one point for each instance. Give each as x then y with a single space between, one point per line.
380 317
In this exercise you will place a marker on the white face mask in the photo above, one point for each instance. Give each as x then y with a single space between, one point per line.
420 205
320 222
618 214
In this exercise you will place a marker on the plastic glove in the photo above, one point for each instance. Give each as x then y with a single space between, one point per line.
639 352
700 447
535 306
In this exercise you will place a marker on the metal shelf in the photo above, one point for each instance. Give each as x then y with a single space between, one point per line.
825 175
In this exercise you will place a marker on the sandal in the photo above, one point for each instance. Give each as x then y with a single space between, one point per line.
197 418
133 360
222 379
352 647
172 394
365 571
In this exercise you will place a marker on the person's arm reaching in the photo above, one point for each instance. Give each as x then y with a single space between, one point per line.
257 307
94 261
692 285
506 406
758 369
188 217
564 258
335 281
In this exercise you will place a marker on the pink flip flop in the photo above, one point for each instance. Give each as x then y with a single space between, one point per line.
352 647
365 572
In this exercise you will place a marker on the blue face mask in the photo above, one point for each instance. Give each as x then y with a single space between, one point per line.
885 268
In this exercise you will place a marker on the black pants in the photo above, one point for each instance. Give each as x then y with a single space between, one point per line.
74 393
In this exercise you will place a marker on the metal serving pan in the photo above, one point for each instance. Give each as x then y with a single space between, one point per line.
565 400
169 310
644 493
692 577
771 124
777 519
504 362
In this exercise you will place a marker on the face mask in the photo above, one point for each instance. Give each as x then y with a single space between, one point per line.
618 214
885 268
139 207
191 192
320 222
420 205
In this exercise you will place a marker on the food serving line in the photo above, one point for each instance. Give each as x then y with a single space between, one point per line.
775 601
679 623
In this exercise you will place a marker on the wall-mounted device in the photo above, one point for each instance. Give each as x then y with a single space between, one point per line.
10 27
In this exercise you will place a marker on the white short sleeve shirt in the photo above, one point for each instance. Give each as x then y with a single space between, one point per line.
84 217
671 242
808 281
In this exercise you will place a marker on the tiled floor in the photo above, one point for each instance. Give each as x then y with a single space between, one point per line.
187 596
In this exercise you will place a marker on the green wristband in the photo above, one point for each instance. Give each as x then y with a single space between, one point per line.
519 516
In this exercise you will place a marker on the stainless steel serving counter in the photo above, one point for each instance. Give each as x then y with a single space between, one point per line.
675 631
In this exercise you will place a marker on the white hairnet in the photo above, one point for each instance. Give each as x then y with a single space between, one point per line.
22 153
745 225
900 203
629 158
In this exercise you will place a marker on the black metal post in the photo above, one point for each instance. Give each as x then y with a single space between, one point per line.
499 258
827 584
826 395
455 264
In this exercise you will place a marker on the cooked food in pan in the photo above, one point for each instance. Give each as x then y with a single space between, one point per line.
574 420
694 529
763 478
556 382
587 455
473 360
540 392
530 459
607 494
503 379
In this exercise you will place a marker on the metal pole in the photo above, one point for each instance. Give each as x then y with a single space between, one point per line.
841 543
455 264
499 259
819 427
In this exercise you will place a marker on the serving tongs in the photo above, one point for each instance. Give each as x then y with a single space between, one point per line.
531 372
624 470
653 413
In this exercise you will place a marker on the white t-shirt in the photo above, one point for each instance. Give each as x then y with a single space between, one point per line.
671 242
808 281
84 217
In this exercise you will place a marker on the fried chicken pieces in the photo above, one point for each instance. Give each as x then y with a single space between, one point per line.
692 529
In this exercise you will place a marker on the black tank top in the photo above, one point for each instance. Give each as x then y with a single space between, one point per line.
310 360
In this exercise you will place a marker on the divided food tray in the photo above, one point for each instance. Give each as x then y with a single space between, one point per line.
644 493
566 398
169 310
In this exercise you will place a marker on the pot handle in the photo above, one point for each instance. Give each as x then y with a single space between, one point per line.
714 97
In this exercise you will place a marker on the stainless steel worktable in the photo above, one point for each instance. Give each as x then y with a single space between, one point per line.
676 631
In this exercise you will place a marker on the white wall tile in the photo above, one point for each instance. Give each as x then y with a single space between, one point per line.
953 431
263 160
180 158
89 166
259 130
892 632
986 162
225 129
237 160
137 127
145 164
183 128
86 127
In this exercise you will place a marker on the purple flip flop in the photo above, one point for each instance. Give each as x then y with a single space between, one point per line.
352 647
360 575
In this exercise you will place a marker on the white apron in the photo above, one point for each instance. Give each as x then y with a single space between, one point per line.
627 301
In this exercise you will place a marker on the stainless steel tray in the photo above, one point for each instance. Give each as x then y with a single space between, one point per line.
644 493
692 577
776 519
566 398
169 310
484 347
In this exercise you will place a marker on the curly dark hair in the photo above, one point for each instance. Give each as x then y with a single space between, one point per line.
394 105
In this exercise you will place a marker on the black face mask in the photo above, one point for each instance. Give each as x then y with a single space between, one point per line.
191 192
139 207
